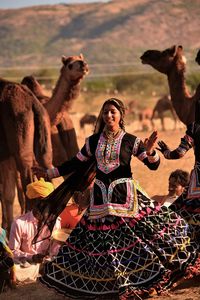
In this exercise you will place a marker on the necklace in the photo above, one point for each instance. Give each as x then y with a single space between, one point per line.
111 135
109 153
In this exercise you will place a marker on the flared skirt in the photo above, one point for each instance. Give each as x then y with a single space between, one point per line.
115 257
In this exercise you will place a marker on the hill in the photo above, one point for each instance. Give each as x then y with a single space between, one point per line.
106 33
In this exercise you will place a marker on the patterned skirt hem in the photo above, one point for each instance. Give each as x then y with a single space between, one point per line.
164 282
74 294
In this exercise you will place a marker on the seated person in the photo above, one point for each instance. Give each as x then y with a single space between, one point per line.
7 278
27 255
178 180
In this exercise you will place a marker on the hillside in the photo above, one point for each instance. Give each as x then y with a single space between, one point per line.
114 32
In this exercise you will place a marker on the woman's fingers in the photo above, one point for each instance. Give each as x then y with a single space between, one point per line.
161 143
162 146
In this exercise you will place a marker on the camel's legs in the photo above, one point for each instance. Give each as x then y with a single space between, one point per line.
152 119
174 117
8 179
162 121
26 178
68 136
20 192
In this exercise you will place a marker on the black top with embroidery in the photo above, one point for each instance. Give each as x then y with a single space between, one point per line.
126 152
113 190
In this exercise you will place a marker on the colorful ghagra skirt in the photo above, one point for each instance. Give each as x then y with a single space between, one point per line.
119 258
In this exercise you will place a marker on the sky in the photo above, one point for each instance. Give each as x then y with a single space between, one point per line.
25 3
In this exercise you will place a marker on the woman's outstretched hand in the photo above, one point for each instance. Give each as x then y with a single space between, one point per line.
149 142
162 147
40 172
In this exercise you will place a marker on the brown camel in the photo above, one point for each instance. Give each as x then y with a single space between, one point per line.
36 88
144 117
24 140
63 135
171 62
87 119
67 88
162 105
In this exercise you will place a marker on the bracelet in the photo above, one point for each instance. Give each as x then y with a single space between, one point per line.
166 154
53 173
154 157
150 154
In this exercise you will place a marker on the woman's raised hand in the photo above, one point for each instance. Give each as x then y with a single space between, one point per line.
162 147
149 142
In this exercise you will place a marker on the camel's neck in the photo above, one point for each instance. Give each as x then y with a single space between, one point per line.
61 97
180 97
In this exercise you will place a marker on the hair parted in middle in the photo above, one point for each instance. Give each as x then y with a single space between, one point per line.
119 105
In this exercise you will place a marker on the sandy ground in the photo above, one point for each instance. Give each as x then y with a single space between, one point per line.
154 182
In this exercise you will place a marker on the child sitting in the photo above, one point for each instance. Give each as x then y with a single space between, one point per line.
178 180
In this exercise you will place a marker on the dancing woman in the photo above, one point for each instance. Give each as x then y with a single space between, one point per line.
124 245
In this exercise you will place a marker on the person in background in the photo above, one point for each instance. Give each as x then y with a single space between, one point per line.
178 181
125 246
7 273
29 256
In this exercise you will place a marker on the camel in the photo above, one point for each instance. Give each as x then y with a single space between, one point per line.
144 117
63 135
171 62
162 105
36 88
147 115
61 130
24 140
87 119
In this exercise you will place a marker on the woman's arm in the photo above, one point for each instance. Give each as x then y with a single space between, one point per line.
68 166
185 144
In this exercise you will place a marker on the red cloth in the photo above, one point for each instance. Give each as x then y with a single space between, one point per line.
70 217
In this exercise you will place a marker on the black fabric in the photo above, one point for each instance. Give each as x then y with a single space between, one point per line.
197 110
52 206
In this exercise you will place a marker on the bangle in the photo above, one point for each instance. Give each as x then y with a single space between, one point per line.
149 153
53 173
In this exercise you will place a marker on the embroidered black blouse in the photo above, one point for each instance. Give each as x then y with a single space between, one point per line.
114 191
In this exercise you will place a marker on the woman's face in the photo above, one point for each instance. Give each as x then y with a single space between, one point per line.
111 116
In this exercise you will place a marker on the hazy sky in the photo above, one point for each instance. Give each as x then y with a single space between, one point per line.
24 3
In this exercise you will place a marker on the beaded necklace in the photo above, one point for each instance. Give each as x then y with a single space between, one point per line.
110 137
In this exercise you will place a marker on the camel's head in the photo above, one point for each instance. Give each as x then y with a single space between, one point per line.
74 67
197 59
31 82
35 87
164 61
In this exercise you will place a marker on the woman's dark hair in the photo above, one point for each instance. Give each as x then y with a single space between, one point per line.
119 105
